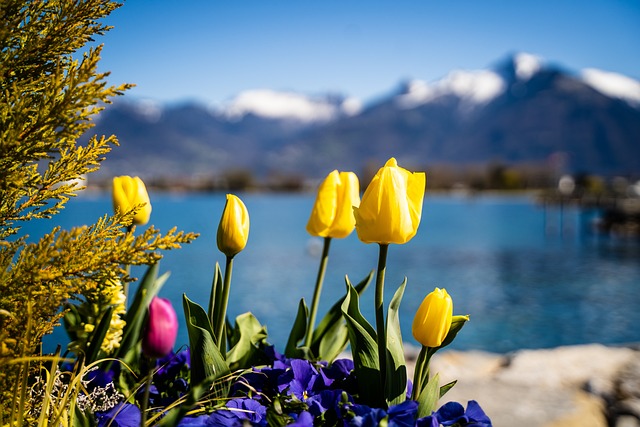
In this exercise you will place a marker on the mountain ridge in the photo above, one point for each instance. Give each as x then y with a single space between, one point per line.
520 110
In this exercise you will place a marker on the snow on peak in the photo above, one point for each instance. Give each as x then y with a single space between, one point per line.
287 105
150 109
474 87
526 65
613 84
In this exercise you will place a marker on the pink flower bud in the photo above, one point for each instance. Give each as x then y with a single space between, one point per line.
161 330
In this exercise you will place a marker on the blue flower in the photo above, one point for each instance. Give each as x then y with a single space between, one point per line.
366 416
304 419
224 418
303 380
249 409
169 367
123 415
199 421
453 413
400 415
403 414
326 400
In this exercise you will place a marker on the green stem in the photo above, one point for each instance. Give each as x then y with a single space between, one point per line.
127 269
145 398
317 291
418 374
379 306
222 313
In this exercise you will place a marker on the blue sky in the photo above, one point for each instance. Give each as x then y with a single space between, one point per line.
211 50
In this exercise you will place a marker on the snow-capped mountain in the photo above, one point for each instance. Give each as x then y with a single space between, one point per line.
520 110
613 84
472 87
271 104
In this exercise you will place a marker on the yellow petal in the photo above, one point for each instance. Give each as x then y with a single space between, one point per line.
432 321
325 206
391 206
233 230
332 213
128 193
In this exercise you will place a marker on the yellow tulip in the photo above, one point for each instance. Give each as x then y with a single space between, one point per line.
129 192
332 214
433 318
233 230
391 206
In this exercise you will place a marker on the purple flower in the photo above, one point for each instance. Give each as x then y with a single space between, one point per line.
199 421
239 410
249 409
326 400
124 415
403 414
366 416
339 369
224 418
161 329
303 380
99 378
304 419
400 415
453 413
170 365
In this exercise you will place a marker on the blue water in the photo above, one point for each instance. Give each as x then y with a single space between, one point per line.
529 277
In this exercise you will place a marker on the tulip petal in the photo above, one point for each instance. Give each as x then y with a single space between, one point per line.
391 206
233 230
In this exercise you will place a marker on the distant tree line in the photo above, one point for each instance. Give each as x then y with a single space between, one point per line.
492 176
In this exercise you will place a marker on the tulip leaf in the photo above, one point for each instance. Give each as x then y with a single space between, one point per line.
206 359
396 381
215 298
251 335
331 336
148 288
297 334
428 398
364 348
445 388
97 337
457 322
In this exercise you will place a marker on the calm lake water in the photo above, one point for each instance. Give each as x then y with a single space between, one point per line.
527 277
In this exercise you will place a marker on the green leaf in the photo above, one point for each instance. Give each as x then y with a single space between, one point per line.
251 335
206 359
445 388
457 323
81 419
298 331
72 320
428 398
330 338
364 349
396 382
98 336
148 288
215 297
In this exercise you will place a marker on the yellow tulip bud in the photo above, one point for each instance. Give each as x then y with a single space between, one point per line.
233 230
391 206
129 192
433 318
332 214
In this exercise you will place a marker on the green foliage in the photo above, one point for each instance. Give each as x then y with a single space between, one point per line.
50 92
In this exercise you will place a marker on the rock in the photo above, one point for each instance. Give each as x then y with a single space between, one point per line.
588 385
